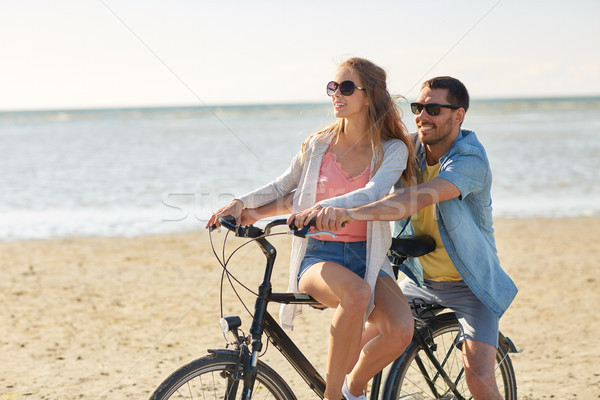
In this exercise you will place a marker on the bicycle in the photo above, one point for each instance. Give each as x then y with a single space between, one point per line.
228 373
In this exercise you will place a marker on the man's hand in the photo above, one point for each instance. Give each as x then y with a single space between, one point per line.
332 218
301 218
327 219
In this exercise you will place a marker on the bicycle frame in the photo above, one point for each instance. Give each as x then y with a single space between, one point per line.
302 365
263 322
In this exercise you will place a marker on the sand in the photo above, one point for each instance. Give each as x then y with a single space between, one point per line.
110 318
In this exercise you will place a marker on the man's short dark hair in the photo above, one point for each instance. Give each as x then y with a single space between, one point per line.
457 92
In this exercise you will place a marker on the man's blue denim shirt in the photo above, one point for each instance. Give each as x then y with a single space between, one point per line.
465 223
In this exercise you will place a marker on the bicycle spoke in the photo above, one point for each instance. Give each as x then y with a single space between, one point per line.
232 387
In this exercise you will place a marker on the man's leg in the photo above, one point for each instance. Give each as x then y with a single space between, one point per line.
480 361
478 332
411 291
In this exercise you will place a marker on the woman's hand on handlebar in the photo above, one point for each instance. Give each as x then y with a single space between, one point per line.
235 209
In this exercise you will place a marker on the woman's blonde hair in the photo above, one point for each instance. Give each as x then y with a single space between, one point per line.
385 120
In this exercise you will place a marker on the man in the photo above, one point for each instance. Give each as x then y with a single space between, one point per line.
451 203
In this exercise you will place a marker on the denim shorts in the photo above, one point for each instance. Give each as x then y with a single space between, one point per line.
352 255
476 321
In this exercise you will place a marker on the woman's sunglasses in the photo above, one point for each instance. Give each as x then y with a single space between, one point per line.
432 109
346 88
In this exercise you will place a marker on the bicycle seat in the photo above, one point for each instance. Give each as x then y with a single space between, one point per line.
415 246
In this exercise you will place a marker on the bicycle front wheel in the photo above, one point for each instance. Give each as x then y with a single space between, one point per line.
217 376
416 378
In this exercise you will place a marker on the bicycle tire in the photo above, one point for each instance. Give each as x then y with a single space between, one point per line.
208 377
406 381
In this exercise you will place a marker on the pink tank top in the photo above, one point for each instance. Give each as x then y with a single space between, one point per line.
333 182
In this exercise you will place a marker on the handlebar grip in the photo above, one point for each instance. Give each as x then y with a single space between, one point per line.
228 221
248 231
302 232
311 224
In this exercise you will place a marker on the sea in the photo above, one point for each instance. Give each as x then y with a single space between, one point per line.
137 171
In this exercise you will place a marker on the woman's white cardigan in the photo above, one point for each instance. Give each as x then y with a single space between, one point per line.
303 176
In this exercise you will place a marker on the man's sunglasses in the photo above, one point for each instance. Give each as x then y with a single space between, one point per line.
346 88
432 109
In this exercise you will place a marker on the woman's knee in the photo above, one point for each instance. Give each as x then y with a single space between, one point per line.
356 296
398 331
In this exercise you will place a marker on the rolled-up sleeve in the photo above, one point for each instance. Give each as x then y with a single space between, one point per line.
467 169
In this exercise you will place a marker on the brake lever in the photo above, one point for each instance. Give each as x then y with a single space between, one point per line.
299 232
333 235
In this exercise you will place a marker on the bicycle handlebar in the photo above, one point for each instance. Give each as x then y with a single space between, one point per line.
401 248
251 231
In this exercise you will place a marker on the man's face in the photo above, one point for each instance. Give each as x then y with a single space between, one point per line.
435 129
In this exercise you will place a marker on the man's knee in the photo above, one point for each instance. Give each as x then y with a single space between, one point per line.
479 361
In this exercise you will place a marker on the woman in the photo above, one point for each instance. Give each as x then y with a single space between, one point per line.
354 161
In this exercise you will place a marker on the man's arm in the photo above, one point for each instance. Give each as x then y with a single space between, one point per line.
405 202
399 205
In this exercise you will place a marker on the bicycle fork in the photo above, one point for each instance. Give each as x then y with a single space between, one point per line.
245 370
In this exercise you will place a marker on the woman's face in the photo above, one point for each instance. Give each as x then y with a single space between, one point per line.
354 104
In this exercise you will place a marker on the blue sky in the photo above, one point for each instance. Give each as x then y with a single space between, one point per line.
108 53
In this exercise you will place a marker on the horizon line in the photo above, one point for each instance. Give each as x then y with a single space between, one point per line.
274 104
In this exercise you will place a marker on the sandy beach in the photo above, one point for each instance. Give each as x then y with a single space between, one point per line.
110 318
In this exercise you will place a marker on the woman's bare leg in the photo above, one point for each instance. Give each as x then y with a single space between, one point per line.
393 318
337 287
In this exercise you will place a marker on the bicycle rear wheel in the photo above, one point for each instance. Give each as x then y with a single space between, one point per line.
414 377
216 376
